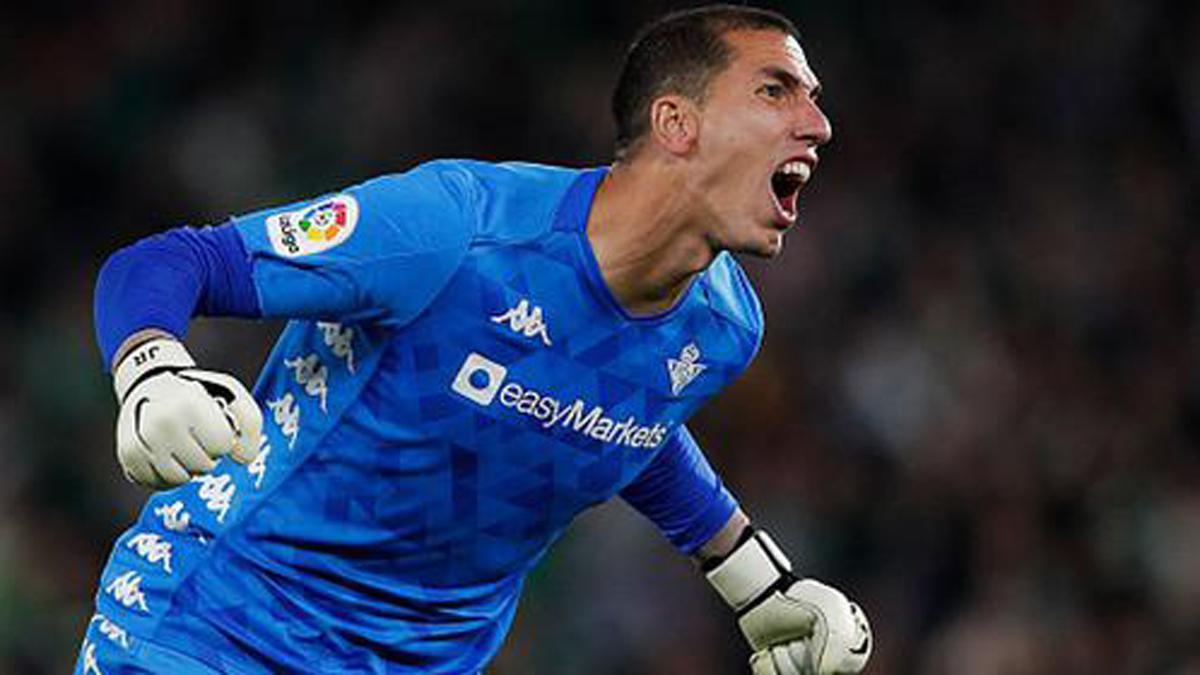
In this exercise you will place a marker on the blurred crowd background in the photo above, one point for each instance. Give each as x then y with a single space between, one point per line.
977 407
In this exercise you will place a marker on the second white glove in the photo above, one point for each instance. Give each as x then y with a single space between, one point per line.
795 626
176 421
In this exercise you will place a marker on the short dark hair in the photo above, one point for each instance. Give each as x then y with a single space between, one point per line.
680 53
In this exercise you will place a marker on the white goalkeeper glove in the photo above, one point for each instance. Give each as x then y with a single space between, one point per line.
795 626
176 421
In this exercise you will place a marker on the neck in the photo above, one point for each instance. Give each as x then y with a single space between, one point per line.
646 240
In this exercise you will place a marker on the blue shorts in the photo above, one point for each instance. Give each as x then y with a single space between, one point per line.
108 649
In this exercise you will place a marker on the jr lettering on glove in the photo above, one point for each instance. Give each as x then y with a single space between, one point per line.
795 626
176 421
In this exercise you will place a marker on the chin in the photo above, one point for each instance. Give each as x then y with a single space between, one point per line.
756 237
768 247
774 248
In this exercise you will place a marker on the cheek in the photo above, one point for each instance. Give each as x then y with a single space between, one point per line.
733 149
732 159
746 138
728 127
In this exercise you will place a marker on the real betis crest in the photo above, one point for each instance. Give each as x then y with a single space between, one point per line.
685 368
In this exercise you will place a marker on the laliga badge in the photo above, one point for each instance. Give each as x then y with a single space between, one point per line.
314 228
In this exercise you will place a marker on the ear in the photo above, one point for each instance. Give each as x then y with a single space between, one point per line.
674 123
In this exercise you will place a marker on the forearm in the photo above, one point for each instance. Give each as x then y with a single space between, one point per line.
160 282
681 494
725 539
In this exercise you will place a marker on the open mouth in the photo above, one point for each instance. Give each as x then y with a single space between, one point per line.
786 182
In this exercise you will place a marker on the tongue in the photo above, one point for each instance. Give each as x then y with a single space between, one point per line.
788 202
786 188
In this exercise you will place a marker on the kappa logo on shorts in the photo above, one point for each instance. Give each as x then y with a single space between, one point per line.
174 518
315 228
90 664
153 548
126 589
111 630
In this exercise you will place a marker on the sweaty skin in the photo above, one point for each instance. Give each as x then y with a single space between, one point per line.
700 181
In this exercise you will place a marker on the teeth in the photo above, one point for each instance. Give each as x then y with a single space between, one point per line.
796 168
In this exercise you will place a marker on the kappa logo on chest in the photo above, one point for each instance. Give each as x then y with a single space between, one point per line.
525 319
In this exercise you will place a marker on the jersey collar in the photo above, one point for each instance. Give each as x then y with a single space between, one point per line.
572 216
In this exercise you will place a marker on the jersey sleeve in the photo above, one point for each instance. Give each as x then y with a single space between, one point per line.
165 279
378 251
681 494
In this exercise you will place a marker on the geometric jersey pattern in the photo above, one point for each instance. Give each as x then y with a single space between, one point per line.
416 470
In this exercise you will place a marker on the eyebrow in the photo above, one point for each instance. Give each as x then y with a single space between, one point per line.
788 80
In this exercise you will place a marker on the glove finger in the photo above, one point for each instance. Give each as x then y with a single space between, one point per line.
168 469
161 424
150 462
131 454
249 419
136 467
240 409
762 664
210 429
193 458
801 655
784 664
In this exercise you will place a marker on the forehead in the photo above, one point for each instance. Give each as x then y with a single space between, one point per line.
755 51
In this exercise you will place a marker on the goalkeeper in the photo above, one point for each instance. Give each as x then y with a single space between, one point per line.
476 354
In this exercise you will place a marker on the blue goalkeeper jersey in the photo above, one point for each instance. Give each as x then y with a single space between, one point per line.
456 384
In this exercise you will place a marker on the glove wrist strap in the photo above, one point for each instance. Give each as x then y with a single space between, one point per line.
150 357
750 571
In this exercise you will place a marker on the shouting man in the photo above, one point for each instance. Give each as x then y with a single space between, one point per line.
477 353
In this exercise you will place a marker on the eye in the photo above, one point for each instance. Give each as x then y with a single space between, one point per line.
772 90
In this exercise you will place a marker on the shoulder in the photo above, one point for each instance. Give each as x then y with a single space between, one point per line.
502 176
509 200
731 295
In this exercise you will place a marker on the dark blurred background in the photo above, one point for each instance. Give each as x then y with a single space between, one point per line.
977 408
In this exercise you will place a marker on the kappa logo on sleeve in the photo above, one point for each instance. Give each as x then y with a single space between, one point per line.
315 228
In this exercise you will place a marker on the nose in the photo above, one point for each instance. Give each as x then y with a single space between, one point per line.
812 125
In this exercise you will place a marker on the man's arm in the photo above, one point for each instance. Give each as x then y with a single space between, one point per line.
793 625
376 252
681 494
155 286
175 420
